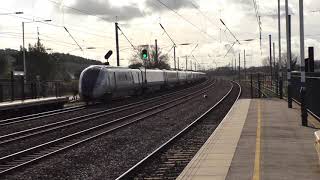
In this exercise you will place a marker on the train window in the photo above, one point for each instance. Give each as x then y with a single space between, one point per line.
123 76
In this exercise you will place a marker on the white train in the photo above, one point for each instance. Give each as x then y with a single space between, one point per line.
102 83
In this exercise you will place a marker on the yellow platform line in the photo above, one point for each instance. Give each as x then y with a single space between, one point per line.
256 173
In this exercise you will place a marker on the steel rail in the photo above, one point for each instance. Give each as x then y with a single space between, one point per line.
43 114
164 145
48 114
8 138
36 152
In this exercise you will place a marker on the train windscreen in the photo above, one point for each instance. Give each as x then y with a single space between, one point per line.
89 80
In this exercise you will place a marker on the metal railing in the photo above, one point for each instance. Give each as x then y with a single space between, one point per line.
17 89
262 82
313 91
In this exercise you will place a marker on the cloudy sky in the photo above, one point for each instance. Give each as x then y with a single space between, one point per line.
91 23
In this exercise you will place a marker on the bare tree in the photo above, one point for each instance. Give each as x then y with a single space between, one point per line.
294 60
162 62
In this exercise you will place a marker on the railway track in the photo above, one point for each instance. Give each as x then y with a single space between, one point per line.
169 159
20 135
39 116
14 161
30 132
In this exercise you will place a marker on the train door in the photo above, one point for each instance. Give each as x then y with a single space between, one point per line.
111 80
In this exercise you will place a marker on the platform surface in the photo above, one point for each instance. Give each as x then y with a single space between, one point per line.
258 139
27 102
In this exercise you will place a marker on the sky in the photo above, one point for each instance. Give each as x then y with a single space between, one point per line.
91 23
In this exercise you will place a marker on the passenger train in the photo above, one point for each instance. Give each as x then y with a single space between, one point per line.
102 83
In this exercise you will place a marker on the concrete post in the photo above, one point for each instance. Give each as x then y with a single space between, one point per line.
289 63
270 56
117 44
174 57
303 90
239 67
251 86
280 60
12 86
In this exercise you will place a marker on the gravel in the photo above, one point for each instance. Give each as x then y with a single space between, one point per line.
33 141
91 109
109 156
188 144
114 103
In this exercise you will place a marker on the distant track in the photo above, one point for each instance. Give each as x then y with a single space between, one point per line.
40 115
176 152
76 108
12 162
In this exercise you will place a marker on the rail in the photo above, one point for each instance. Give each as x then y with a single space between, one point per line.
126 175
81 107
25 157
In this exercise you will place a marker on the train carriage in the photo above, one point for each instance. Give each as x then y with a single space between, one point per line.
104 83
171 78
182 76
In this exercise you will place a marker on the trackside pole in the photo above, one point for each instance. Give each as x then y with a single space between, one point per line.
117 44
239 67
288 33
280 62
251 86
304 114
259 85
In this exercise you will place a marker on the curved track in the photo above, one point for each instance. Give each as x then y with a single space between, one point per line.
14 161
39 130
169 152
47 114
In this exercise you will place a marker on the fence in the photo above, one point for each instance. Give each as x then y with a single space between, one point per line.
16 89
313 90
312 84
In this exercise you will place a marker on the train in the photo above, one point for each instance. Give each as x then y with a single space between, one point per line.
103 83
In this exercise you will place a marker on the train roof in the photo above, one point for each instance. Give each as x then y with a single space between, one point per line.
141 69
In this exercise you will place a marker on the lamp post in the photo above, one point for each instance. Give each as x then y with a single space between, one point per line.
23 47
175 46
244 40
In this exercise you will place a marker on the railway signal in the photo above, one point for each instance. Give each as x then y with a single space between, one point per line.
107 56
144 54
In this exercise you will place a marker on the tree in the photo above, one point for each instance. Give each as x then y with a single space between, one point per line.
4 66
55 66
136 65
161 62
294 60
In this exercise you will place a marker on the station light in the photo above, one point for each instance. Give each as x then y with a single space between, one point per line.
144 54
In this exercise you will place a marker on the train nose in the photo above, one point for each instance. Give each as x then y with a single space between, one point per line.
88 82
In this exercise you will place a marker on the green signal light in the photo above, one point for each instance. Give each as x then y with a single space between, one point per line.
144 54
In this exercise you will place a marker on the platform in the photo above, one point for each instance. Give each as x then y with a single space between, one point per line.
18 104
258 139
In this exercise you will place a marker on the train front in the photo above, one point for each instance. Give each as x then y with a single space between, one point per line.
90 83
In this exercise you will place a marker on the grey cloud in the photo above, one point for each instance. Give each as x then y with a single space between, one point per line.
247 6
106 11
272 13
173 4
